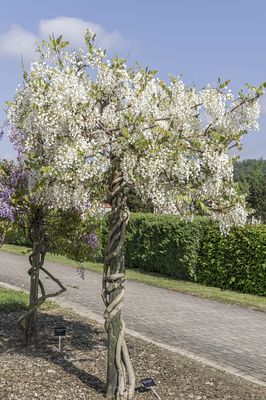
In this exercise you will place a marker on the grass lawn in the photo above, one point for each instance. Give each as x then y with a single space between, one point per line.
11 300
196 289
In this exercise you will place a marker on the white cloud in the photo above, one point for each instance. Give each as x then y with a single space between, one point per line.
72 30
18 41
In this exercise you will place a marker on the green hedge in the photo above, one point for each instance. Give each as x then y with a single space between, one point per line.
236 261
192 250
164 244
198 251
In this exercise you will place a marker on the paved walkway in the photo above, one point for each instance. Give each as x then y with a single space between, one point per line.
230 336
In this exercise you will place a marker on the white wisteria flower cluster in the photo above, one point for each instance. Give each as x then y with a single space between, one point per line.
77 110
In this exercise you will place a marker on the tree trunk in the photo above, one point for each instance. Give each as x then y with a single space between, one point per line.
36 260
28 321
120 374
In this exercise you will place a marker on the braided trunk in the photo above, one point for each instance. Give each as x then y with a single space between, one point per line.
120 374
36 260
28 321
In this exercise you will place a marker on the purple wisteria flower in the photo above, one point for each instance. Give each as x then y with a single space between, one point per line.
12 178
6 210
92 240
19 178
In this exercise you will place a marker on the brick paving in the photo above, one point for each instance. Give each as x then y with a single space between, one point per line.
230 336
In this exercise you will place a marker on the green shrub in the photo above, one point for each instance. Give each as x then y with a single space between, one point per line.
65 235
194 250
164 244
103 236
197 251
236 261
17 235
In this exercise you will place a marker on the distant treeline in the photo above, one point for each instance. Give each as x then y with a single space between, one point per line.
251 178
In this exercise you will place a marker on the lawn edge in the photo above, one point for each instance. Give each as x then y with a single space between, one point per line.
239 303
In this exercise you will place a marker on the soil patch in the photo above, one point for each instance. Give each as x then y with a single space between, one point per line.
78 371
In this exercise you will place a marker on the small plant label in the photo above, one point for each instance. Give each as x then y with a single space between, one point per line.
60 331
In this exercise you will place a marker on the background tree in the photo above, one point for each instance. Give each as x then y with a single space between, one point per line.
94 127
251 178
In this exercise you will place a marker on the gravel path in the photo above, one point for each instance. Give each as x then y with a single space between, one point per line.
229 336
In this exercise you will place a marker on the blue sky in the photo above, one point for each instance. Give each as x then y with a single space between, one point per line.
200 39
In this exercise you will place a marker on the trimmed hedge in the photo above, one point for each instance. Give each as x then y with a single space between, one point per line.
164 244
197 251
236 261
194 250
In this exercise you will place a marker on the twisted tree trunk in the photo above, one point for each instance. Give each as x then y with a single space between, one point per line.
28 321
36 259
120 374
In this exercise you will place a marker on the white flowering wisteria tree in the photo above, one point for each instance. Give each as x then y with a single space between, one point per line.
93 127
